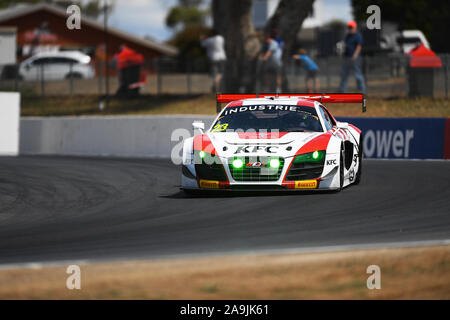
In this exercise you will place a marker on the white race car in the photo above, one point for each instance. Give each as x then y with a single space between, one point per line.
268 142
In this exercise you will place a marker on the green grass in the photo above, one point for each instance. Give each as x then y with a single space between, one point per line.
205 104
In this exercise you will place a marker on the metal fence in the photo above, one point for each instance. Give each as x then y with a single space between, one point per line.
385 76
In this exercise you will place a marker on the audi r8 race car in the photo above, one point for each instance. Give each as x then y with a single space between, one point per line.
268 142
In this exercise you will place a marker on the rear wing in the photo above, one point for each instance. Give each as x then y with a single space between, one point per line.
320 97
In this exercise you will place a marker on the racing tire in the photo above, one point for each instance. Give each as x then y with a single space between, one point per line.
360 158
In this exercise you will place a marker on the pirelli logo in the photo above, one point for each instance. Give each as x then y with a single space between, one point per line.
306 184
209 184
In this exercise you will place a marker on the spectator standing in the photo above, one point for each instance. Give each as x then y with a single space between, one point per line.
279 40
215 49
272 62
311 69
352 58
128 63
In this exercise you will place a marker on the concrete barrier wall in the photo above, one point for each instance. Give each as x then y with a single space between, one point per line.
9 123
151 136
130 136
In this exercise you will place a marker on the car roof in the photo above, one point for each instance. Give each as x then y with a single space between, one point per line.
78 55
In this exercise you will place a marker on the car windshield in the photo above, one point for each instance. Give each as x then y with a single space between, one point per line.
283 118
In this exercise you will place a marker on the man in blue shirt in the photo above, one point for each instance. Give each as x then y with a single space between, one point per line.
352 58
311 69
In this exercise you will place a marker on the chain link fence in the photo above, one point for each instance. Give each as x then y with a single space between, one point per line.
385 76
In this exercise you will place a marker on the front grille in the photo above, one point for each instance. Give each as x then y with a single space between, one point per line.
305 171
213 171
255 173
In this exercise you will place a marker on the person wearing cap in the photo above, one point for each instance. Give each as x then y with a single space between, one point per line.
352 58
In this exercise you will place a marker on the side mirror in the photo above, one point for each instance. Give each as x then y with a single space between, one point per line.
198 125
342 125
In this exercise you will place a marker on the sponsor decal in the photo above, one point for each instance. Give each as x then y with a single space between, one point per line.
411 138
209 184
220 127
351 175
231 110
256 164
331 162
249 149
306 184
383 143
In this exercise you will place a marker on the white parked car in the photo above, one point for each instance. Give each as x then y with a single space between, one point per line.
404 41
57 66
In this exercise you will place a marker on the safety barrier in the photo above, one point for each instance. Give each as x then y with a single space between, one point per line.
9 123
121 136
153 136
404 138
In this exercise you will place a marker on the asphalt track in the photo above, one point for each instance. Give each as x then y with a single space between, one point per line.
68 208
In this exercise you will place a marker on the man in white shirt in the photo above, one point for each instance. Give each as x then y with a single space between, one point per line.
272 63
215 49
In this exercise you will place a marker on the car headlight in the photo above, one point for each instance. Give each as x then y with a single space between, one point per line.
316 156
274 163
203 157
237 163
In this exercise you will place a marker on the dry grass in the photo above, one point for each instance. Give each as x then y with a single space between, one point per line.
205 104
408 273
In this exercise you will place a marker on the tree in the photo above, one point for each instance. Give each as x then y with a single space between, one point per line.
232 18
181 18
188 21
288 19
91 8
186 14
431 17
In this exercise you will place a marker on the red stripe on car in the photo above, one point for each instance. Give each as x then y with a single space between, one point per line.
203 143
238 103
261 135
318 143
305 103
